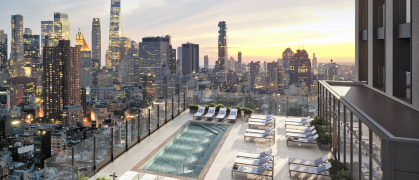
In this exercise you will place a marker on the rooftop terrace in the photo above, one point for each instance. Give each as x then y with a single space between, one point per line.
220 167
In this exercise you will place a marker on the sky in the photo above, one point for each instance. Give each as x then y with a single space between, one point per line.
261 29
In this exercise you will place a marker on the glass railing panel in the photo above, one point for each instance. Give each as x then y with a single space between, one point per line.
162 114
169 109
84 156
103 145
144 123
134 127
118 137
182 102
60 165
175 106
128 133
154 120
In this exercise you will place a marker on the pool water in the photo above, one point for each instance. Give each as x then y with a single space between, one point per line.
188 152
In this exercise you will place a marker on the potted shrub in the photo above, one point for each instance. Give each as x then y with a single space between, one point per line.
342 175
193 108
337 172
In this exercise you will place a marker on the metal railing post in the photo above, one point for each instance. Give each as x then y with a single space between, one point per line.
111 143
126 134
149 121
72 162
172 108
165 112
45 169
94 153
78 173
158 116
139 126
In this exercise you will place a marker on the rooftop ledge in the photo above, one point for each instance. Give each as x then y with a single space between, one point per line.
390 117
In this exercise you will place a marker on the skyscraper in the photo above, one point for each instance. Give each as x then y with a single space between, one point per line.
127 74
172 60
179 61
47 33
61 80
254 71
96 70
287 56
314 64
96 40
61 27
221 63
17 60
190 58
31 51
153 51
206 62
3 50
86 61
239 61
115 31
300 67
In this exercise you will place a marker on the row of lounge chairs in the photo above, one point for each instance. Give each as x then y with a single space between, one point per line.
268 121
307 135
318 166
261 164
211 113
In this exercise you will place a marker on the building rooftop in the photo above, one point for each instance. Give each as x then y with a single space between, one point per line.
223 162
381 109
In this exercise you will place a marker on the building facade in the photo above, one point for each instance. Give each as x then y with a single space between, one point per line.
17 60
96 40
254 70
86 66
61 27
220 64
31 52
239 61
206 66
47 34
172 60
3 50
115 31
300 68
153 51
190 58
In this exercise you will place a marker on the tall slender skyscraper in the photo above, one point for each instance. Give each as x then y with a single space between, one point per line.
222 48
172 60
31 51
47 33
239 61
190 58
115 31
61 27
3 50
17 60
86 61
314 64
206 62
96 39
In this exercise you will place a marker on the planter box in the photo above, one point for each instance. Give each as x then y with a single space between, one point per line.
324 146
193 111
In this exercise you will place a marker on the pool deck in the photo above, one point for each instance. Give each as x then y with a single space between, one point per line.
223 162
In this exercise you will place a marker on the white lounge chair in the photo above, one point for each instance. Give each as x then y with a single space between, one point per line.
255 155
201 111
262 120
256 171
211 113
258 131
321 170
299 135
297 119
304 123
304 162
254 162
262 117
221 114
266 123
233 115
300 131
308 140
264 135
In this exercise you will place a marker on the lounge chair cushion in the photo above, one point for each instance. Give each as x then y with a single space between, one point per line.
266 134
321 169
318 161
304 122
261 169
311 138
307 130
263 154
267 122
309 134
262 161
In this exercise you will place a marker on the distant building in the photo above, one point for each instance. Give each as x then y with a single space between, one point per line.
115 31
31 52
96 40
190 58
254 71
149 89
3 50
20 87
231 79
300 68
206 66
17 60
239 61
86 61
314 64
130 62
42 147
172 60
221 63
153 51
61 78
61 27
47 33
287 56
95 71
331 71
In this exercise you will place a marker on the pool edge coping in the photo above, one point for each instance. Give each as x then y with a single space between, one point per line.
207 166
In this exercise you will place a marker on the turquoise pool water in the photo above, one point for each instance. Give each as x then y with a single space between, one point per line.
187 153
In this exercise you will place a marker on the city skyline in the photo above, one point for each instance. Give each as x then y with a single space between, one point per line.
322 31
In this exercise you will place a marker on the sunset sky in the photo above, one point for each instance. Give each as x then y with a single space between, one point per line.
261 29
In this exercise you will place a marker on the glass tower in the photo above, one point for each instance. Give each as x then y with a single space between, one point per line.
17 55
96 39
47 33
31 50
3 50
61 27
115 31
221 64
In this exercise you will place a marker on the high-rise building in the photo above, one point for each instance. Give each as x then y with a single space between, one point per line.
96 70
96 39
79 39
3 50
179 61
115 31
239 61
61 80
300 68
31 52
287 56
61 27
190 58
149 90
172 60
130 62
17 60
47 34
221 63
232 64
331 71
254 70
86 66
314 64
206 66
153 51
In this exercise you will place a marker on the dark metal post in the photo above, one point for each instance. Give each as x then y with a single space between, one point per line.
139 126
72 162
178 104
111 143
94 153
149 121
165 112
184 101
172 109
126 134
287 106
158 116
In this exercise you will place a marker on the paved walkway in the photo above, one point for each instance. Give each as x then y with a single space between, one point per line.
221 167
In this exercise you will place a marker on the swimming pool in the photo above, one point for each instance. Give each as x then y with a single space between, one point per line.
188 152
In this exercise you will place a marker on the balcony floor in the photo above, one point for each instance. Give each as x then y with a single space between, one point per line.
223 163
